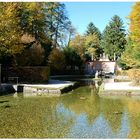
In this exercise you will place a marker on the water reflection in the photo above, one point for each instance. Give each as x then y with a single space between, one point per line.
96 117
89 105
112 110
78 114
133 106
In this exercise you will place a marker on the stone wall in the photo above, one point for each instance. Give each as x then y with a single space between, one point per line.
105 66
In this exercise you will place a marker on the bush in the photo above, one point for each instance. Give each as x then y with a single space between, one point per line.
134 75
57 59
30 74
122 72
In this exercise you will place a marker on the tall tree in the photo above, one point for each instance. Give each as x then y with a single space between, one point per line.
114 38
92 44
57 21
134 36
92 29
10 32
93 37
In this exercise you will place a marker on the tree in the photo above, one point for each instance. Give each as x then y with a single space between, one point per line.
93 38
78 43
92 44
114 38
131 56
72 58
57 21
10 32
33 23
92 29
71 33
134 35
56 59
33 56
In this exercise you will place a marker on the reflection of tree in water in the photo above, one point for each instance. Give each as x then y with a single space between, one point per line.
134 117
112 110
83 100
57 123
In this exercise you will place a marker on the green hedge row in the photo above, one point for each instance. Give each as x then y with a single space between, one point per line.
30 74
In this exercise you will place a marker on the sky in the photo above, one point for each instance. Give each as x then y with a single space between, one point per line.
100 13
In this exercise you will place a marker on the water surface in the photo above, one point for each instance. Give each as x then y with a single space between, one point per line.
77 114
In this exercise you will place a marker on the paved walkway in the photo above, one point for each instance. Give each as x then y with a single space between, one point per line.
55 84
120 86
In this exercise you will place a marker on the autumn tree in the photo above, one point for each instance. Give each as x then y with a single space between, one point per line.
56 59
10 32
131 56
114 38
33 56
133 49
78 43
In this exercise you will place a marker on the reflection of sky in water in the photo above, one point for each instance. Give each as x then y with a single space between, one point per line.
98 129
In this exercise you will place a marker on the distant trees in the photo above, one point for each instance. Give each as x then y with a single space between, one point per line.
114 38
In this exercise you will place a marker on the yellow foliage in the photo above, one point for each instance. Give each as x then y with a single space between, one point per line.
78 43
135 22
134 74
57 59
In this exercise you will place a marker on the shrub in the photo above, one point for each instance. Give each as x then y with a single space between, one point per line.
56 59
122 72
30 74
134 75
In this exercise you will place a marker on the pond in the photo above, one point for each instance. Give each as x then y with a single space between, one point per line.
80 113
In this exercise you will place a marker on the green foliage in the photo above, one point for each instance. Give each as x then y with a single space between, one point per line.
92 44
92 29
113 38
72 57
57 21
56 59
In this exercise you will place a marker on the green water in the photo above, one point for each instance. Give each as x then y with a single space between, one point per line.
78 114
